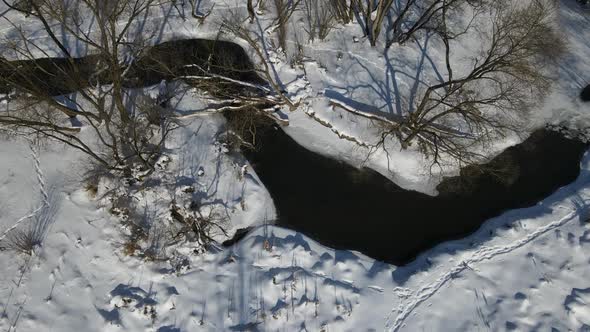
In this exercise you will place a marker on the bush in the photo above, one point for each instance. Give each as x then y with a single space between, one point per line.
23 240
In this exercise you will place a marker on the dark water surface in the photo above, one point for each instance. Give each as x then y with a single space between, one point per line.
346 208
166 61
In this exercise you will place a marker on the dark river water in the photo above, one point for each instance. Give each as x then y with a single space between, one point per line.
347 208
165 61
334 203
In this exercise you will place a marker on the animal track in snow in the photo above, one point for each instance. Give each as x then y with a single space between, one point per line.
42 188
418 297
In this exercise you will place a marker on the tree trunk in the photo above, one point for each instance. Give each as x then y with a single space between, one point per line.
251 12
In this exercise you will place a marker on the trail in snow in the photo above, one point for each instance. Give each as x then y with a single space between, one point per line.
42 188
485 253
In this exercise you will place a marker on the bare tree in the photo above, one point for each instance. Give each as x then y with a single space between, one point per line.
284 11
409 17
373 14
274 96
92 89
251 12
342 10
319 18
422 15
470 107
196 11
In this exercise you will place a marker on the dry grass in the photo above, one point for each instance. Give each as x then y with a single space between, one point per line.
130 247
23 240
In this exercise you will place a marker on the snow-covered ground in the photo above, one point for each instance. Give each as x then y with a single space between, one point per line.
525 270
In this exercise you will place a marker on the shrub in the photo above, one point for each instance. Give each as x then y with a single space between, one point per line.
23 240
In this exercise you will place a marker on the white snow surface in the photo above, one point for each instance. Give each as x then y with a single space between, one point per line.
525 270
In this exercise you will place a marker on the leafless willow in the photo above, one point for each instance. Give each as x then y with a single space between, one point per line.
404 18
503 83
319 18
92 89
275 96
